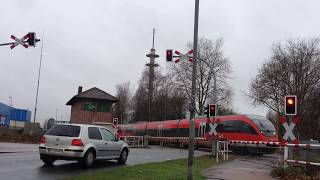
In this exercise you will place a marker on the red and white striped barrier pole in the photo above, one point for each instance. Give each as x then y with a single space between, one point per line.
303 162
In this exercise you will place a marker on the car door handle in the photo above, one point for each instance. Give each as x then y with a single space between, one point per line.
106 143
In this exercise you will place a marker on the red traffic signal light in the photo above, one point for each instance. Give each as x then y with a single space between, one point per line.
212 110
169 55
290 105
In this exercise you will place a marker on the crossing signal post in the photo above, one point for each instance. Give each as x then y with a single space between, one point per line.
26 41
211 111
290 105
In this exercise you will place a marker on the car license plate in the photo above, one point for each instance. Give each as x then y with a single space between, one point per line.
55 151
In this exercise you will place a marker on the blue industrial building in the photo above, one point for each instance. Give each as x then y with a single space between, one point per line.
8 113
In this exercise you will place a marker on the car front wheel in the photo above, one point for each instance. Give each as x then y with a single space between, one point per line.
123 157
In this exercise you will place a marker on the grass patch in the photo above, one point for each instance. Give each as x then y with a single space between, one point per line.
173 169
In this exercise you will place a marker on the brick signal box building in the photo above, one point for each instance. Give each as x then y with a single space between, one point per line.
92 105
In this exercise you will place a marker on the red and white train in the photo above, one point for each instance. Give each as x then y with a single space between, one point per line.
248 128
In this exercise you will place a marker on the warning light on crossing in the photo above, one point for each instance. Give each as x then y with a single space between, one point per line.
291 105
169 55
32 39
212 110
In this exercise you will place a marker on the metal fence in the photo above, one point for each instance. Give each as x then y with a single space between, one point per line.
133 141
222 151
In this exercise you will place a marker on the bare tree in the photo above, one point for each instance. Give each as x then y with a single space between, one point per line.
293 68
167 103
140 99
122 108
220 69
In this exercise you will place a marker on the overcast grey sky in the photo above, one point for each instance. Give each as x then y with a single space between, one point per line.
103 42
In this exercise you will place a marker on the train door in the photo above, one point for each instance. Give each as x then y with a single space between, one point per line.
202 129
160 128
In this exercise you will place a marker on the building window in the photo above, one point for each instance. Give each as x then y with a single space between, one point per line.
104 107
90 106
97 106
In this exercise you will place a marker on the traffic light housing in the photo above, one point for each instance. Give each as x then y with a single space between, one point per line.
169 55
290 105
206 111
115 121
212 110
32 39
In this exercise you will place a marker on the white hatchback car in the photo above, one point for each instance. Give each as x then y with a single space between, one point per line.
84 143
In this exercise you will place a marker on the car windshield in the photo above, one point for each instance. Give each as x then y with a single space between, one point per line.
64 130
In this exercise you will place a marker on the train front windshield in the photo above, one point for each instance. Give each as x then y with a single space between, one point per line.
264 125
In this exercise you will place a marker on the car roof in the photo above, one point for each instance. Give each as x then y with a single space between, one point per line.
83 125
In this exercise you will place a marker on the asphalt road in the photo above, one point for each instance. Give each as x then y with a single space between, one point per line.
21 161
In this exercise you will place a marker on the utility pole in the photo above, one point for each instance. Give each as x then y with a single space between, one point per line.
193 92
152 55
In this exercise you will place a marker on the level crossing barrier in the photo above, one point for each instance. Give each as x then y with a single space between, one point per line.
182 141
298 148
301 150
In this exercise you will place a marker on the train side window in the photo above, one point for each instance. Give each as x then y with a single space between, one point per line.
228 126
183 132
219 127
239 126
242 127
172 132
249 129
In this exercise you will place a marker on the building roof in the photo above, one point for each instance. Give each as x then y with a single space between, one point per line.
93 94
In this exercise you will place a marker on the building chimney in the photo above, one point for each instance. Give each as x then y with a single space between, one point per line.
79 89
